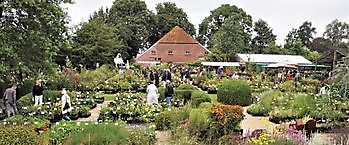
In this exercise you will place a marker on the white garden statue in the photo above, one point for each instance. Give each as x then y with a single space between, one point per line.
153 94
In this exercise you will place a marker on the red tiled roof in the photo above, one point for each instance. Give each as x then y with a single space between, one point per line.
178 36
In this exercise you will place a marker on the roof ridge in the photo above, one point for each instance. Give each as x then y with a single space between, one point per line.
177 36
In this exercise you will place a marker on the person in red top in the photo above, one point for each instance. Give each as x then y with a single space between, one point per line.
227 72
198 71
289 75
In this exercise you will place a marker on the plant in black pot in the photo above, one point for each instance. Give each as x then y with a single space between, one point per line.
84 111
99 99
74 114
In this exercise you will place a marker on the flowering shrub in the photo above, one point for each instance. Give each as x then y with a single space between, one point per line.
224 119
278 137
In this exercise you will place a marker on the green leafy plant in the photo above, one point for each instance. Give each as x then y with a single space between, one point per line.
199 97
234 92
21 135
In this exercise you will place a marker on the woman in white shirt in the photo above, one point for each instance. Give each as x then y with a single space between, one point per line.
153 94
66 104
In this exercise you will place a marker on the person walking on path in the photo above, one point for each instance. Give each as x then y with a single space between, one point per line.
10 100
66 104
153 94
38 92
168 93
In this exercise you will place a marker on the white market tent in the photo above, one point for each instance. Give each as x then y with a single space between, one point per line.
220 63
272 59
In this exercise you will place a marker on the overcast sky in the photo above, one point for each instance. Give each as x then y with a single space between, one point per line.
281 15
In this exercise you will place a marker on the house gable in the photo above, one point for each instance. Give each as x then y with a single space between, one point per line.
176 46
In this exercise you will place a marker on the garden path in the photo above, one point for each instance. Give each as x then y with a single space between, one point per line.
95 112
251 123
163 137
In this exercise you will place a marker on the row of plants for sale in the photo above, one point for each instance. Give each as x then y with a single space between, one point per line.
286 106
51 108
130 107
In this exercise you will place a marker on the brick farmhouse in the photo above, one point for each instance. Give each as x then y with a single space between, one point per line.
175 47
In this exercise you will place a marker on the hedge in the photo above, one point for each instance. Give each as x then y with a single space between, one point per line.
234 92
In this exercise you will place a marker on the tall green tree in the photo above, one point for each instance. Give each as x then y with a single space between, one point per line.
232 38
305 33
211 24
168 15
133 23
264 37
337 32
95 42
31 34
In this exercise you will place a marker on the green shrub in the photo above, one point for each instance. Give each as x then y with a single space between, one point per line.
199 119
170 119
59 132
162 93
142 136
282 115
258 110
234 92
182 94
198 97
265 103
302 105
101 134
287 86
20 135
186 87
205 105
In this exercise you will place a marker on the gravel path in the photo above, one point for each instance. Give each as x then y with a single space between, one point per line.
95 112
251 123
163 137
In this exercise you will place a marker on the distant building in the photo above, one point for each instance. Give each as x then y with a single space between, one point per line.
266 59
175 47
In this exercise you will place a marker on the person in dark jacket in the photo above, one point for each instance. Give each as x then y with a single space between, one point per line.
156 77
168 93
10 100
38 92
166 76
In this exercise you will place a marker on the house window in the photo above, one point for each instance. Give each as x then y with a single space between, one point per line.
153 52
159 59
170 52
206 52
187 52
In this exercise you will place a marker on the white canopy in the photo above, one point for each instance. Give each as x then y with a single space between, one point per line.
272 58
220 63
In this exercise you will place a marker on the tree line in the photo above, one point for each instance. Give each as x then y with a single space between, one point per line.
35 38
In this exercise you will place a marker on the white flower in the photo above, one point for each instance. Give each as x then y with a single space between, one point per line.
78 123
86 123
116 123
96 123
35 122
